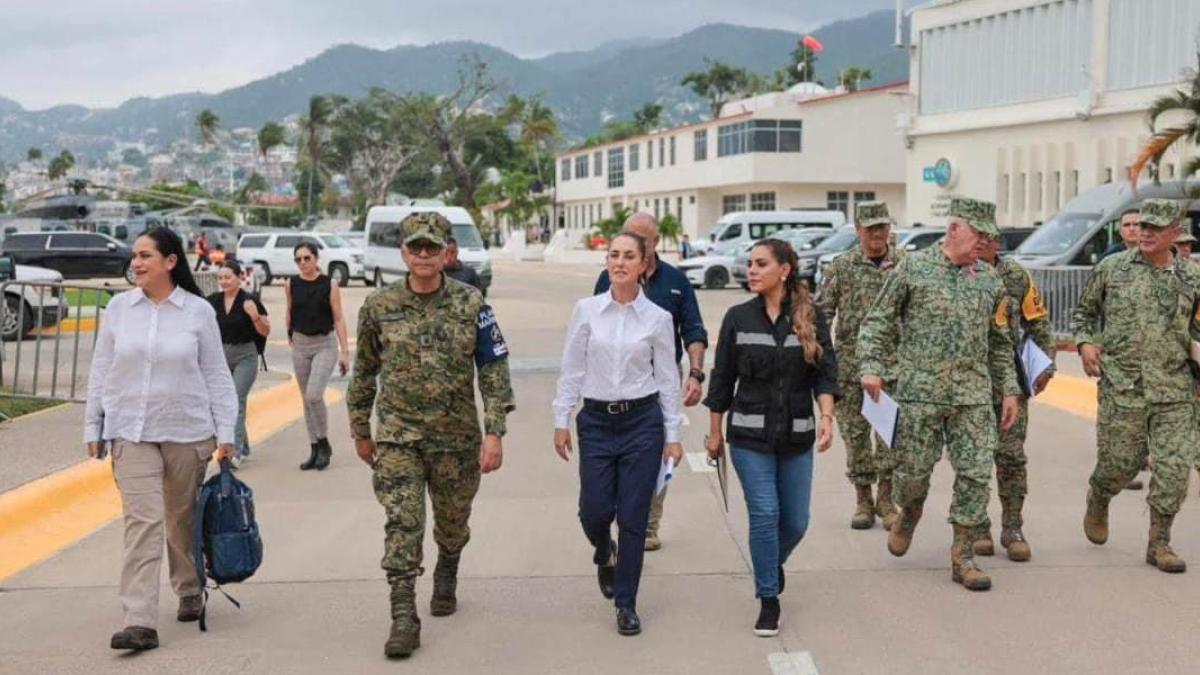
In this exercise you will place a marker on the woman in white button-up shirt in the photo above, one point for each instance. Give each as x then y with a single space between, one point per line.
620 359
161 393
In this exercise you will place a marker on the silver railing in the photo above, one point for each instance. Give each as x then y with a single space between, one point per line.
1061 288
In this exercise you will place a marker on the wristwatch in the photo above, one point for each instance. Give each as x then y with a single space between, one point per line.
697 375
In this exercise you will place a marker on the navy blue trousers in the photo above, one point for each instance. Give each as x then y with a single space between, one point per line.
619 460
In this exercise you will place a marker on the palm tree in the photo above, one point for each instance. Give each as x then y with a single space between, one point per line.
208 123
60 165
312 131
851 77
1180 101
271 135
648 117
539 130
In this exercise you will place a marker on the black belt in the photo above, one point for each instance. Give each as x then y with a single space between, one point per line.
619 407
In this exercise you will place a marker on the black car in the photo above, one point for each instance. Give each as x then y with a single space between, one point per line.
76 255
1011 238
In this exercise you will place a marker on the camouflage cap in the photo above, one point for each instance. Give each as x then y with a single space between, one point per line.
1160 212
1185 237
980 215
427 225
867 214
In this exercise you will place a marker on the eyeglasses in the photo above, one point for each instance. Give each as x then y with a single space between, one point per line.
424 249
304 258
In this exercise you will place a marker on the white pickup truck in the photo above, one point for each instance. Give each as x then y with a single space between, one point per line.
22 301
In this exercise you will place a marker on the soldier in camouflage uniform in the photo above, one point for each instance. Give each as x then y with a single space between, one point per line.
946 315
420 344
850 285
1028 317
1132 328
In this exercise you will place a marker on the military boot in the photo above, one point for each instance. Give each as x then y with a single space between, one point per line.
1095 521
962 562
445 586
864 512
405 635
885 508
900 538
311 462
1011 536
1159 552
982 542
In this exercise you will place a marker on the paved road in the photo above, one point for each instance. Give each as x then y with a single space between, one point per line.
528 601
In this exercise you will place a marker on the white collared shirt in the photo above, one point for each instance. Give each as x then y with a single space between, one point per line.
159 373
617 352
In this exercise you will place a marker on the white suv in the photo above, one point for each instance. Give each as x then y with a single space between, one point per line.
22 302
272 255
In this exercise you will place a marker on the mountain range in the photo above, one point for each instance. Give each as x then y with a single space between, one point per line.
584 88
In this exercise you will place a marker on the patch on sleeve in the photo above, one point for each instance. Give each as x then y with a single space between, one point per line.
1033 307
489 341
1001 317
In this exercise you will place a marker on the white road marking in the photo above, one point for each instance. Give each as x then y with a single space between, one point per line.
698 462
792 663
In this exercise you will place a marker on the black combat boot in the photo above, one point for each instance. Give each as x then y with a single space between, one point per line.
311 462
324 453
405 635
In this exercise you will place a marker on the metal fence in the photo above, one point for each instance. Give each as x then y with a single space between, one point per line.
1061 288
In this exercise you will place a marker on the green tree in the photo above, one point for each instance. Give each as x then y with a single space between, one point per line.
33 154
803 65
3 190
1184 105
611 226
309 185
372 141
254 184
60 165
852 77
313 129
718 84
272 134
648 117
207 123
539 131
670 229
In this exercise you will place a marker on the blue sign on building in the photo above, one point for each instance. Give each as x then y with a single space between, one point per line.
940 173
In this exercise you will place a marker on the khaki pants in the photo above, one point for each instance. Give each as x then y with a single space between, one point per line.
158 484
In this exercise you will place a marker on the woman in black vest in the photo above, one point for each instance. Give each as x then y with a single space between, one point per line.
314 314
774 356
243 323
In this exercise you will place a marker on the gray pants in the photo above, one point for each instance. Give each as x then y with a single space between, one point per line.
313 360
243 364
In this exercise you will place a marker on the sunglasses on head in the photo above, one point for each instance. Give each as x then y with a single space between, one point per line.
424 247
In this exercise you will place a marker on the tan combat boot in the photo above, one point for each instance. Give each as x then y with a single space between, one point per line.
445 586
1159 552
405 635
962 562
1095 521
1011 536
901 536
983 544
864 511
885 508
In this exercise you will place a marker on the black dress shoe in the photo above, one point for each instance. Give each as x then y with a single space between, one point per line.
606 574
137 638
628 622
311 462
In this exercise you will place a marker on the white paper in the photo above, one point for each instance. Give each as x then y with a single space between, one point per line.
1034 361
664 475
882 415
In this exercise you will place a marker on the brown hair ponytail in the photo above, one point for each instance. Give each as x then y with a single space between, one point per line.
804 311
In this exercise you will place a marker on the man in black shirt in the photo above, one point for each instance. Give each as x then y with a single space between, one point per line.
456 270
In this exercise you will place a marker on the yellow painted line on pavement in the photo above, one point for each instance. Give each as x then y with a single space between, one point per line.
42 517
1076 395
84 325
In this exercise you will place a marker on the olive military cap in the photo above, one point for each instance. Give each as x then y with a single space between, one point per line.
980 215
867 214
425 226
1185 237
1160 212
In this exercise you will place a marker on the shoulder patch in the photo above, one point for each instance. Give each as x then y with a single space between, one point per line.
1001 317
1033 307
489 341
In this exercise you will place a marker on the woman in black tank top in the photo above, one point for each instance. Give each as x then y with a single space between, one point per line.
314 317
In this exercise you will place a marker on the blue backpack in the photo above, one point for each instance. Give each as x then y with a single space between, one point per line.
226 543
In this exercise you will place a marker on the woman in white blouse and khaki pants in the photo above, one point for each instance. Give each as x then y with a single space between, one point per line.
620 359
160 392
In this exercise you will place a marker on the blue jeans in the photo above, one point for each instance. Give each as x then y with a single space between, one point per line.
778 491
243 364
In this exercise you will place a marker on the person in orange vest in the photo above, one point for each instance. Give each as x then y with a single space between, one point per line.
201 251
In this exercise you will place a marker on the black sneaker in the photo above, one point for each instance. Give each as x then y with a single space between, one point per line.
768 618
782 580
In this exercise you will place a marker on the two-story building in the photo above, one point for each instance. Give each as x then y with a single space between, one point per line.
802 148
1030 102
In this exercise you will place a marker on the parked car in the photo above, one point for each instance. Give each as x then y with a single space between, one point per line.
734 230
910 240
384 263
711 271
26 305
1013 237
801 240
76 255
272 255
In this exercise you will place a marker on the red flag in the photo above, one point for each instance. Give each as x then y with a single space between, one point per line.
812 43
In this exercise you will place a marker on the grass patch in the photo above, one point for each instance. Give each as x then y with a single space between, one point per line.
12 407
77 297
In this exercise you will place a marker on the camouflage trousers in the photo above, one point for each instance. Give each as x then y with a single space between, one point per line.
403 472
864 464
1011 478
1165 432
969 434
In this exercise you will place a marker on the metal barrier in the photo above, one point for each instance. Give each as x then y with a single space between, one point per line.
1061 288
48 333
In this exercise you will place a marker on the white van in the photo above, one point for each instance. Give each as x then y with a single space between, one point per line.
734 230
272 255
383 263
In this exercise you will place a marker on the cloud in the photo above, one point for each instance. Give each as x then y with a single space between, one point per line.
102 53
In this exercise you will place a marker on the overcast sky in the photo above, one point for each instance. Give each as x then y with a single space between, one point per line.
102 52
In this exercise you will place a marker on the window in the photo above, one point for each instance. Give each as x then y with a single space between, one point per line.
868 196
649 154
387 235
733 231
26 242
733 203
598 164
1037 193
766 136
77 241
662 151
616 167
581 166
700 141
656 212
1074 183
764 230
635 206
838 201
679 210
1056 191
565 169
1019 194
759 136
1002 194
254 241
672 151
591 214
1108 175
790 132
633 156
762 201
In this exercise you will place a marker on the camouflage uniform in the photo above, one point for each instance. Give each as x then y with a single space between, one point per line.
1140 316
850 285
951 328
416 366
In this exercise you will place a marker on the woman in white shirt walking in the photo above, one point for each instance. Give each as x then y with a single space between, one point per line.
620 358
161 392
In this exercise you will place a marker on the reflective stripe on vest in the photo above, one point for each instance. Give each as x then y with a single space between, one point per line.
755 339
749 421
804 425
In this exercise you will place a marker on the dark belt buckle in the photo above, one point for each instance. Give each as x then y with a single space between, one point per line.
618 407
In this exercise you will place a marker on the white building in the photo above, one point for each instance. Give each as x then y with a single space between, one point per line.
804 148
1030 102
